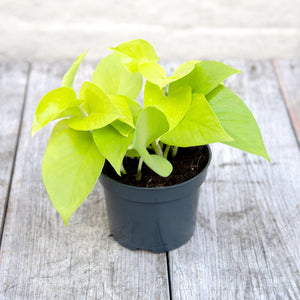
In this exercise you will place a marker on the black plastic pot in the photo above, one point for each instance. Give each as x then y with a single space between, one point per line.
156 219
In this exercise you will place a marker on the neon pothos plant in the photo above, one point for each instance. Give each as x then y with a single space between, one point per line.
192 107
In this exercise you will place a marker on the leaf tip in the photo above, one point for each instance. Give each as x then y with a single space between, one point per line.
32 132
267 157
34 129
65 219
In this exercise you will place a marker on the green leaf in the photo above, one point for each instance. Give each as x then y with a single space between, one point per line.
70 75
132 153
71 166
113 77
121 127
238 121
135 52
157 163
99 108
135 108
151 124
52 105
200 126
73 111
59 127
121 103
205 76
174 106
112 145
156 74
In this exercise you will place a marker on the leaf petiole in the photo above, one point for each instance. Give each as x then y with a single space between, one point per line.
166 152
156 147
139 170
123 171
166 90
174 151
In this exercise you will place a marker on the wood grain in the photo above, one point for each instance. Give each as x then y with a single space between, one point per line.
247 239
13 78
40 257
288 73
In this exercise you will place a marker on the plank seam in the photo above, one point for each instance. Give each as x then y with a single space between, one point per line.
15 155
169 275
285 101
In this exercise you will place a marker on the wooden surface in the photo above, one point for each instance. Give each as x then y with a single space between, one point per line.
288 72
13 79
246 244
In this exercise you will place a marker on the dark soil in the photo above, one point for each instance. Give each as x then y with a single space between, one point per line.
188 163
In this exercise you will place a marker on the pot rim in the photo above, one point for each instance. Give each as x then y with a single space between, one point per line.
162 187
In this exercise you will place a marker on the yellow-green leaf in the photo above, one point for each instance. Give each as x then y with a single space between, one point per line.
205 76
237 120
122 127
112 145
156 74
114 78
70 75
121 103
71 166
151 124
99 109
135 52
200 126
174 106
52 105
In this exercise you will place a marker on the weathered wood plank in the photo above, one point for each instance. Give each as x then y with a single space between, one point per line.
288 73
247 239
13 78
43 259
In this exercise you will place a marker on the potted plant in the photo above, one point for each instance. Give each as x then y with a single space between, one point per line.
104 130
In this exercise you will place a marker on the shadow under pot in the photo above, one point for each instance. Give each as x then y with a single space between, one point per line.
158 219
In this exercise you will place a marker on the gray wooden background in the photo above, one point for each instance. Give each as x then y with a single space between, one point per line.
246 244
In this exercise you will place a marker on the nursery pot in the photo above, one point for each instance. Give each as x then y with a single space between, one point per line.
158 219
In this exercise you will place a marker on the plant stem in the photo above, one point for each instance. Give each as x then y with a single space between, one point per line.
157 148
139 170
166 90
166 152
174 151
123 171
161 145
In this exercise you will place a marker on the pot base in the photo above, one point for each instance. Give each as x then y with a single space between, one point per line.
163 249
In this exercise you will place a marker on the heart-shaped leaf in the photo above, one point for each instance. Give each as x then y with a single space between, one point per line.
59 127
151 125
73 111
112 145
174 106
206 76
99 108
135 108
156 74
52 105
121 103
122 127
157 163
200 126
135 52
71 166
114 78
237 120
